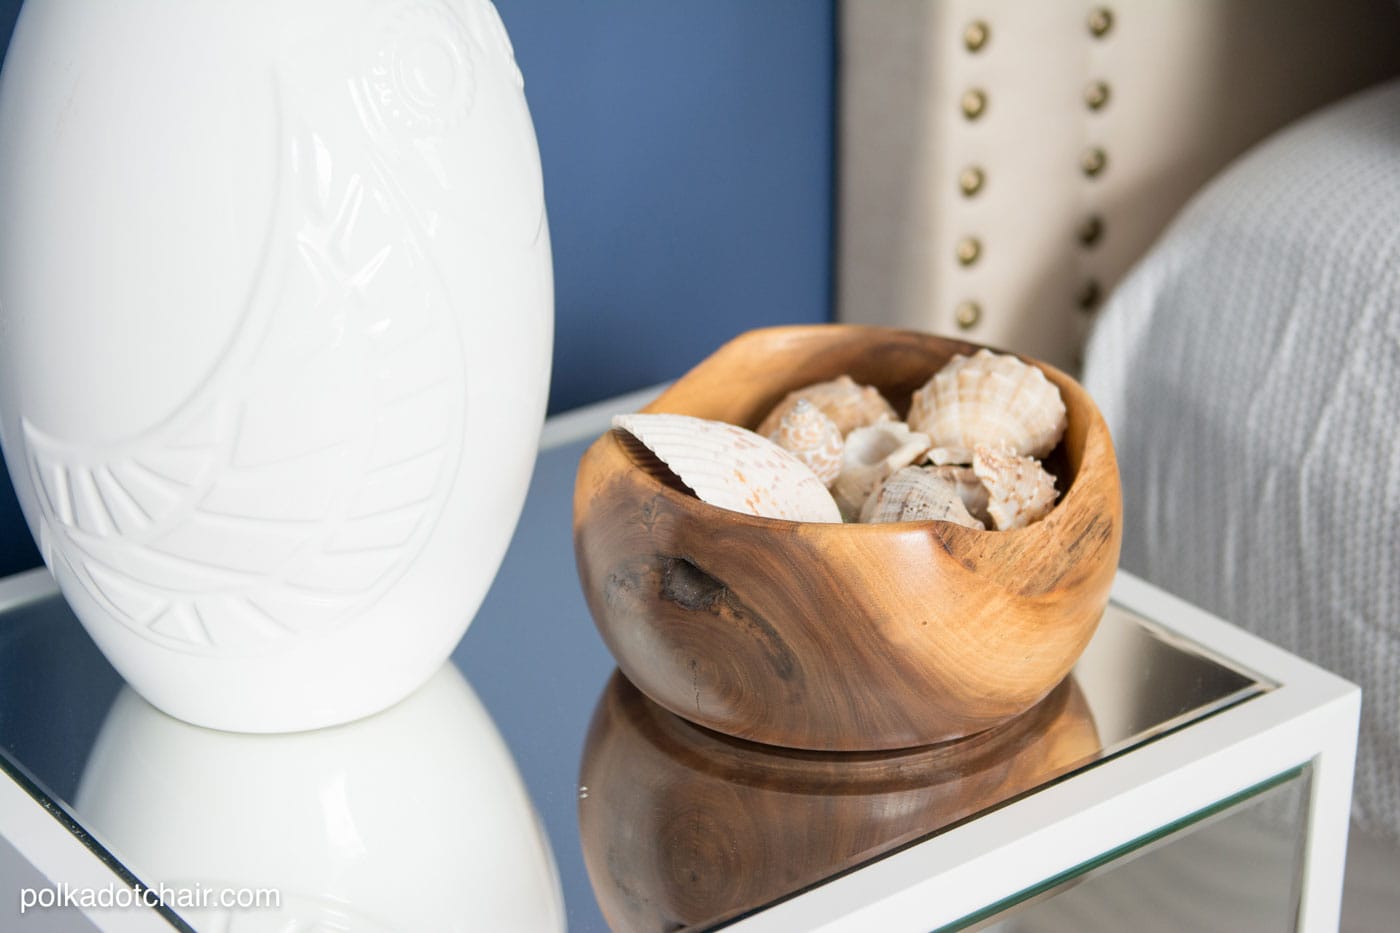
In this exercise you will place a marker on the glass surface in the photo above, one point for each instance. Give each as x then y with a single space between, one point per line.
679 825
1230 868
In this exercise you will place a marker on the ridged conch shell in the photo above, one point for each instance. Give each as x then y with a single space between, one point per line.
872 453
970 489
812 437
915 494
988 399
733 468
842 400
1019 491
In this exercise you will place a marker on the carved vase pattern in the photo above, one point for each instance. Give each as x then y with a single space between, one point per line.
275 323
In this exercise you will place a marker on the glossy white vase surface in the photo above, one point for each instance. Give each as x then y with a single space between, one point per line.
413 819
276 316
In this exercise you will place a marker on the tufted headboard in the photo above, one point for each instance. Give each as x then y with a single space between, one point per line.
1003 162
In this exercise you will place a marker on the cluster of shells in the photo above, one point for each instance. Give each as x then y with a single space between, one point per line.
969 451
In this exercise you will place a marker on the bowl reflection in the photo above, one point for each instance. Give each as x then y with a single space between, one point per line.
683 827
413 819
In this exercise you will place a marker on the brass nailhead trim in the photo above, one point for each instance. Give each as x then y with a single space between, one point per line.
976 34
1093 161
967 314
974 103
971 180
969 250
1096 95
1090 230
1090 295
1100 21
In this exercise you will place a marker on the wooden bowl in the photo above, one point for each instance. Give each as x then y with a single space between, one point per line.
840 637
683 828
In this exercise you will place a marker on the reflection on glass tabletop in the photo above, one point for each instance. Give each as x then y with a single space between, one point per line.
529 785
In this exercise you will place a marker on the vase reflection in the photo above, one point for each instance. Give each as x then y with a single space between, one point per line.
683 828
412 819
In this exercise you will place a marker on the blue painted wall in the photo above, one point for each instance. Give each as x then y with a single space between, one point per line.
687 149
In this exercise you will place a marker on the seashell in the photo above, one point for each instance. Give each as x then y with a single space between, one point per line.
970 489
872 453
733 468
1019 490
812 437
915 494
842 400
990 399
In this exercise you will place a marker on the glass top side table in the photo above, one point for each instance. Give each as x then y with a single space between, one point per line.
1181 752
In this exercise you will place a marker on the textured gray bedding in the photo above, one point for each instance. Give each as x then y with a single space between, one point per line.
1249 368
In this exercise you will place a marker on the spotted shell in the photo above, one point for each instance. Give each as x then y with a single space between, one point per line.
842 400
915 494
812 437
970 489
1019 490
730 467
872 453
990 399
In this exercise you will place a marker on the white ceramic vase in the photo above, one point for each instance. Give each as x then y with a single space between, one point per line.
276 315
414 819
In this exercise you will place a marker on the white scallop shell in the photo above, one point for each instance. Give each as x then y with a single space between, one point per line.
1019 490
812 437
988 399
970 489
915 494
872 453
841 399
730 467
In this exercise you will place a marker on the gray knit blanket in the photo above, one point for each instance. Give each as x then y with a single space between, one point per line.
1249 368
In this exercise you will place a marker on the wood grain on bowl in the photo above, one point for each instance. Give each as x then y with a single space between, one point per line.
840 637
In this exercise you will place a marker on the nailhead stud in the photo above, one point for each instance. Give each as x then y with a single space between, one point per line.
1100 21
976 35
971 180
1093 161
967 314
974 103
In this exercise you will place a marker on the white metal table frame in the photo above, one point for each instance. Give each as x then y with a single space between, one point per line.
1311 717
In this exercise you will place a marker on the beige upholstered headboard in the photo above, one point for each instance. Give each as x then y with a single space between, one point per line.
1003 162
